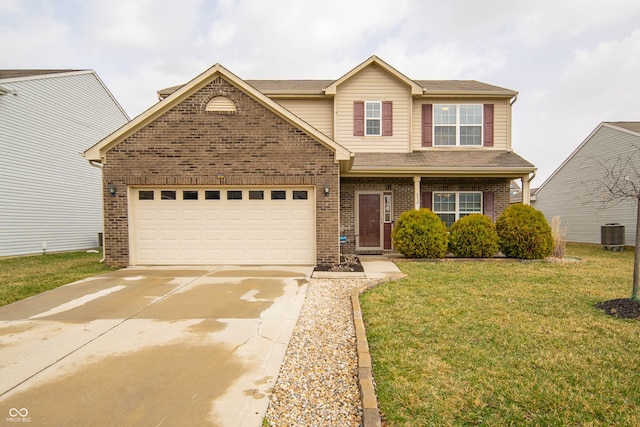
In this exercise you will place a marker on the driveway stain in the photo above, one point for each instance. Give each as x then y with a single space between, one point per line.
256 273
217 300
167 385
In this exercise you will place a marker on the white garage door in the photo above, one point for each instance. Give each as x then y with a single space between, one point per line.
191 226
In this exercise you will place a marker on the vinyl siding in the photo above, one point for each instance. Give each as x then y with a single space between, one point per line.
317 112
373 84
575 192
48 192
501 120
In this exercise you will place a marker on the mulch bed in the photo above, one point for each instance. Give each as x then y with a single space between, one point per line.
623 308
347 264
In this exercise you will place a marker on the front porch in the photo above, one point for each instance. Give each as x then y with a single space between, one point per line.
369 207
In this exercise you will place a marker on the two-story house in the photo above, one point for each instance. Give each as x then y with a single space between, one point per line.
228 171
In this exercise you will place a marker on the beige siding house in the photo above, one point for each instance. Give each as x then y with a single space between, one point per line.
310 168
576 191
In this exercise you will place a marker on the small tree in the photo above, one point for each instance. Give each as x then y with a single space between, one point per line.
621 181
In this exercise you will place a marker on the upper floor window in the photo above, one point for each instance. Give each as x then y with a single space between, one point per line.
463 125
373 118
457 125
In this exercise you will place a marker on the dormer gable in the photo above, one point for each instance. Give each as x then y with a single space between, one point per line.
374 60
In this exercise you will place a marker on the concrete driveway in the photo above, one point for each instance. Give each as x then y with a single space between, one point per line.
150 347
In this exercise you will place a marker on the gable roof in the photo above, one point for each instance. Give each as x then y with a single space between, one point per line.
96 153
284 88
632 128
374 60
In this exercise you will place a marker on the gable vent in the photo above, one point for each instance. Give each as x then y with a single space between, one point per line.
221 104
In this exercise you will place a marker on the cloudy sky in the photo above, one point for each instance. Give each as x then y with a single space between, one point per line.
575 63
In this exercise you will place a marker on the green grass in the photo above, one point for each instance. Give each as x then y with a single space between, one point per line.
498 344
23 277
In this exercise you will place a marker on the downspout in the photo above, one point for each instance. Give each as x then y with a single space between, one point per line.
99 166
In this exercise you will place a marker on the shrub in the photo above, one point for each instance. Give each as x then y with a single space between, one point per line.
524 233
473 236
420 234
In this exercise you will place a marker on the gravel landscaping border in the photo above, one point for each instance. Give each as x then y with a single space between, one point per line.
318 383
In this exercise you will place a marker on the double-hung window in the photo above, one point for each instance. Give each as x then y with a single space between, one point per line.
457 125
451 206
373 118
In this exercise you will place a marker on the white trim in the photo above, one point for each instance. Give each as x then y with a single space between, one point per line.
457 201
379 119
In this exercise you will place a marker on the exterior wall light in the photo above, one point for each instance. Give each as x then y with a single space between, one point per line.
326 190
112 189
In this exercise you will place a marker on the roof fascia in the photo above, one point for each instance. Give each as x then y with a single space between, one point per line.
571 156
620 128
96 153
416 89
488 172
46 76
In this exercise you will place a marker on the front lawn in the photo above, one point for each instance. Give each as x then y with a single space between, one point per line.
486 343
23 277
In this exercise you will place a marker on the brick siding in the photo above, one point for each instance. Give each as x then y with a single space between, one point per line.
190 146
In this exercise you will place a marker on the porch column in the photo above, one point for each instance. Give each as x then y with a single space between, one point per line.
526 190
416 192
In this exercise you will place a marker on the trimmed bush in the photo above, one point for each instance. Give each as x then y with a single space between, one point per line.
473 236
420 234
524 233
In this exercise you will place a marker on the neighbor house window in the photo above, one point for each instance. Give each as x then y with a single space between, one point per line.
373 118
457 125
451 206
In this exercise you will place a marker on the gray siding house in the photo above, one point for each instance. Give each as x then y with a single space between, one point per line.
50 198
576 190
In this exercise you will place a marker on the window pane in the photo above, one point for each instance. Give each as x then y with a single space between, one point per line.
145 195
448 219
444 114
470 203
212 195
234 195
168 195
256 195
471 114
470 135
190 195
373 127
300 195
372 110
444 202
444 135
278 195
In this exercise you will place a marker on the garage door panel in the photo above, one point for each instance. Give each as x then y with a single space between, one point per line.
222 231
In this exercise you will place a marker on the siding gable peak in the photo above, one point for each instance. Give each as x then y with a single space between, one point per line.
375 61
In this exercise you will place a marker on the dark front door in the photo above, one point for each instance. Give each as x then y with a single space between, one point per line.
369 220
